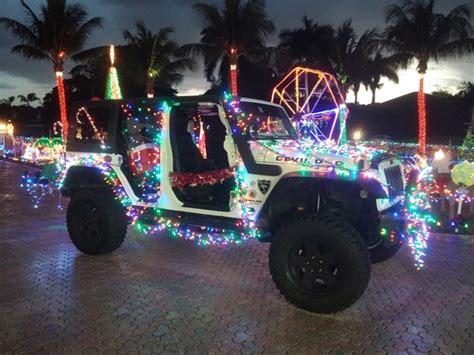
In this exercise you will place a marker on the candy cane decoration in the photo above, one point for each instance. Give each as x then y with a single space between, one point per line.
91 121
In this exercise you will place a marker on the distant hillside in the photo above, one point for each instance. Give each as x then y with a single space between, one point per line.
446 118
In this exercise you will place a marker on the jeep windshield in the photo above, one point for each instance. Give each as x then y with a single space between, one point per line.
266 122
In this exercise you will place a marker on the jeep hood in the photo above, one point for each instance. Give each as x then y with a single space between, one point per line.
302 155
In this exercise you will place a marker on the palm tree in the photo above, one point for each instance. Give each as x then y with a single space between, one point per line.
240 29
29 98
361 76
308 44
375 69
157 59
466 91
8 101
58 32
349 55
416 32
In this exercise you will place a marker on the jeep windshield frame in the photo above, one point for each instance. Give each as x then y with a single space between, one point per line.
264 121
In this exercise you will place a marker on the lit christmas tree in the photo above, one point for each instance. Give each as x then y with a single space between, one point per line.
467 152
112 91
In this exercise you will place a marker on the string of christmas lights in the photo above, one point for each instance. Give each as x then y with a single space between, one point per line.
422 116
62 102
113 90
418 213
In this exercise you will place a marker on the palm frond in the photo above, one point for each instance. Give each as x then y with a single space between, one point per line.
85 29
182 64
30 52
195 49
19 30
210 68
30 13
32 97
456 49
395 13
210 13
129 37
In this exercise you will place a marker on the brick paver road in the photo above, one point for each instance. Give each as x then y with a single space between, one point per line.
156 294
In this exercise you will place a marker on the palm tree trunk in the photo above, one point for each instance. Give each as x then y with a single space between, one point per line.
356 89
344 89
233 73
149 86
373 95
421 116
62 100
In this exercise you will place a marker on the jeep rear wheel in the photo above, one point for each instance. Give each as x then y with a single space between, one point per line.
96 221
320 263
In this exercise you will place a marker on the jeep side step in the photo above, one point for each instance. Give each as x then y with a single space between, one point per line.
197 220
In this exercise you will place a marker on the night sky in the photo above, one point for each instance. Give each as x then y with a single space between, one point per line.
18 76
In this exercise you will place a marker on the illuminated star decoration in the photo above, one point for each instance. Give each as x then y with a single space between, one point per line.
113 91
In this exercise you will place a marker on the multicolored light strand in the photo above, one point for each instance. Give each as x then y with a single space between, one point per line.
418 213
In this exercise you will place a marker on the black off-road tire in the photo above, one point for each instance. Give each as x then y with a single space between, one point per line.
384 250
96 221
335 252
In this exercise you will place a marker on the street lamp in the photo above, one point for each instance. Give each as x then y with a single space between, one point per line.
357 135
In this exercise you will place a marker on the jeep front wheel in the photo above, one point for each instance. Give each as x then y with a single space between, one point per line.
96 221
320 263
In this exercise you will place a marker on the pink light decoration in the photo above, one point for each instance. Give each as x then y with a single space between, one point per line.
314 99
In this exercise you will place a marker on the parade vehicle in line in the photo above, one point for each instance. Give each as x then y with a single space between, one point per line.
7 139
234 165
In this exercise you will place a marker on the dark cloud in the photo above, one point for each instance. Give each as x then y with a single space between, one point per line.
7 86
140 3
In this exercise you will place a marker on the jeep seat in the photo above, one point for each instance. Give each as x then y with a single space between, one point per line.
188 159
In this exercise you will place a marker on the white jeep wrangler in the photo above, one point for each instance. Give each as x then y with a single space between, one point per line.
234 165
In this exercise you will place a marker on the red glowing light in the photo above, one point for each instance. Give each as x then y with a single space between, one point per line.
233 80
421 118
62 103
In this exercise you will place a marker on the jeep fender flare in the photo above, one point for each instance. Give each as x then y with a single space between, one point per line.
79 177
298 187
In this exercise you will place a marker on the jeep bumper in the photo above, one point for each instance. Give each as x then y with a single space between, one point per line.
393 221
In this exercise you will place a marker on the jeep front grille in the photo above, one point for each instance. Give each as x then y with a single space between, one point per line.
394 178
